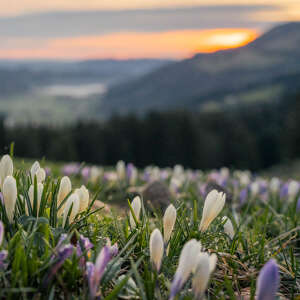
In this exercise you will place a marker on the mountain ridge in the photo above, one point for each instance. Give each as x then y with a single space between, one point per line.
176 85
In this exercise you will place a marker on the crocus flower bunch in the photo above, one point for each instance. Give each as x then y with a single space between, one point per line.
216 225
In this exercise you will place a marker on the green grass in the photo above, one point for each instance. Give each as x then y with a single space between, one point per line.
263 229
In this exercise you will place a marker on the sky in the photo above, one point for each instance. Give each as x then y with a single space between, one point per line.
124 29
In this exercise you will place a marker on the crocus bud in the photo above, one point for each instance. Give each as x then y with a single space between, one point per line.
83 246
40 188
274 185
37 171
95 173
205 265
244 178
186 264
268 281
136 206
84 198
293 189
114 249
64 189
254 188
213 205
73 199
40 175
121 169
169 222
131 173
63 252
95 272
10 196
156 248
6 168
228 227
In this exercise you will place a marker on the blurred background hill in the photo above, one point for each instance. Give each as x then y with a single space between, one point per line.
259 71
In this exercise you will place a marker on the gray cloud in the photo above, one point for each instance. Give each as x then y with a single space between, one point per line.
71 23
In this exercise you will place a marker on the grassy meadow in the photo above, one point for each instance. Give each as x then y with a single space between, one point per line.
73 231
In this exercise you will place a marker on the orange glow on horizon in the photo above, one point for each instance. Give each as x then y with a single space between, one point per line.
124 45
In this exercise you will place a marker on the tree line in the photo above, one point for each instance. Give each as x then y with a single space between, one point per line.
252 137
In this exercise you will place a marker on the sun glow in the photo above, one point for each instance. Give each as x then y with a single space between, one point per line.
123 45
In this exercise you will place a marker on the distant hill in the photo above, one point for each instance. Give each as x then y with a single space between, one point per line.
267 63
108 71
47 91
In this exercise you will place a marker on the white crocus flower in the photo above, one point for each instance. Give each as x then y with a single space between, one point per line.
213 205
274 185
9 191
228 227
134 176
254 188
73 199
40 188
186 265
121 170
6 168
293 189
169 222
95 174
205 265
37 171
84 198
156 248
40 175
244 178
136 205
64 189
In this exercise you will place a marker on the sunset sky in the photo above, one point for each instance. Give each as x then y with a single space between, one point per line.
81 29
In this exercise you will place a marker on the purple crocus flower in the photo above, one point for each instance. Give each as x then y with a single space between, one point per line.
264 197
268 281
83 245
263 187
3 256
47 171
129 170
95 271
70 169
164 174
3 253
284 191
63 253
85 173
243 196
1 198
60 242
298 205
146 176
176 286
202 189
223 182
114 249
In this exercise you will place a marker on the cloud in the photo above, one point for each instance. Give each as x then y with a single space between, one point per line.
17 7
168 44
78 23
